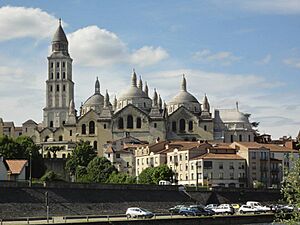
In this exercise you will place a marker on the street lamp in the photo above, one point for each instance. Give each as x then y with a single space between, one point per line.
30 169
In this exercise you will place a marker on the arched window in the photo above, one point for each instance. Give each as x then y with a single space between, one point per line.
64 75
231 138
138 122
120 123
174 126
83 129
129 121
95 145
60 138
46 138
57 75
191 125
205 127
182 125
51 123
92 127
240 138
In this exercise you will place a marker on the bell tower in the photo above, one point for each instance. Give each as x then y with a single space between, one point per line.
59 84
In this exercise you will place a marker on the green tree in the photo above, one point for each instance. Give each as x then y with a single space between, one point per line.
291 192
145 176
81 157
99 170
121 178
51 176
152 175
162 172
23 148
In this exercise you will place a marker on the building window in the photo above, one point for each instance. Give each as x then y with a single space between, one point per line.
174 127
51 76
60 138
129 122
220 166
57 87
231 167
231 138
120 123
91 127
191 125
155 125
64 64
51 123
57 64
51 64
205 127
249 138
104 126
83 129
70 132
51 88
95 145
138 122
221 176
64 87
64 75
57 75
182 125
240 138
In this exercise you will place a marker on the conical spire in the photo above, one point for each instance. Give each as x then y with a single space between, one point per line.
140 86
146 89
106 100
133 79
183 83
115 103
97 86
155 98
59 40
72 108
206 106
159 102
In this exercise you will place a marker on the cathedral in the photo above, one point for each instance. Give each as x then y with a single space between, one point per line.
101 120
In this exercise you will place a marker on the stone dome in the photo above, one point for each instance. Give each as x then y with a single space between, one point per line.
184 98
233 116
95 102
135 95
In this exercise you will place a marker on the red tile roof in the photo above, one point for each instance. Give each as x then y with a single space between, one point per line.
16 166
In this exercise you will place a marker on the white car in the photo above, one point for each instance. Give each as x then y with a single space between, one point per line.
248 209
136 212
224 209
258 206
211 206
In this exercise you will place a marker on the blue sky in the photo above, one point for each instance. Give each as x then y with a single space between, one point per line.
245 51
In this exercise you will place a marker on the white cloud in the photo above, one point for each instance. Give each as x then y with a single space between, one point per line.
224 58
96 47
294 62
265 60
20 22
148 55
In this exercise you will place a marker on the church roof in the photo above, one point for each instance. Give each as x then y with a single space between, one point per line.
59 35
95 99
183 96
233 116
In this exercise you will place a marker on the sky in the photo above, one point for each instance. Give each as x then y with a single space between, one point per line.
234 51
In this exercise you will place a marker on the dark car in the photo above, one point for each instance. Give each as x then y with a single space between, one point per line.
195 211
175 209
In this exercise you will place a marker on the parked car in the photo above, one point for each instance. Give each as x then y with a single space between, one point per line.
248 209
211 206
224 209
282 208
175 209
258 206
136 212
195 211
